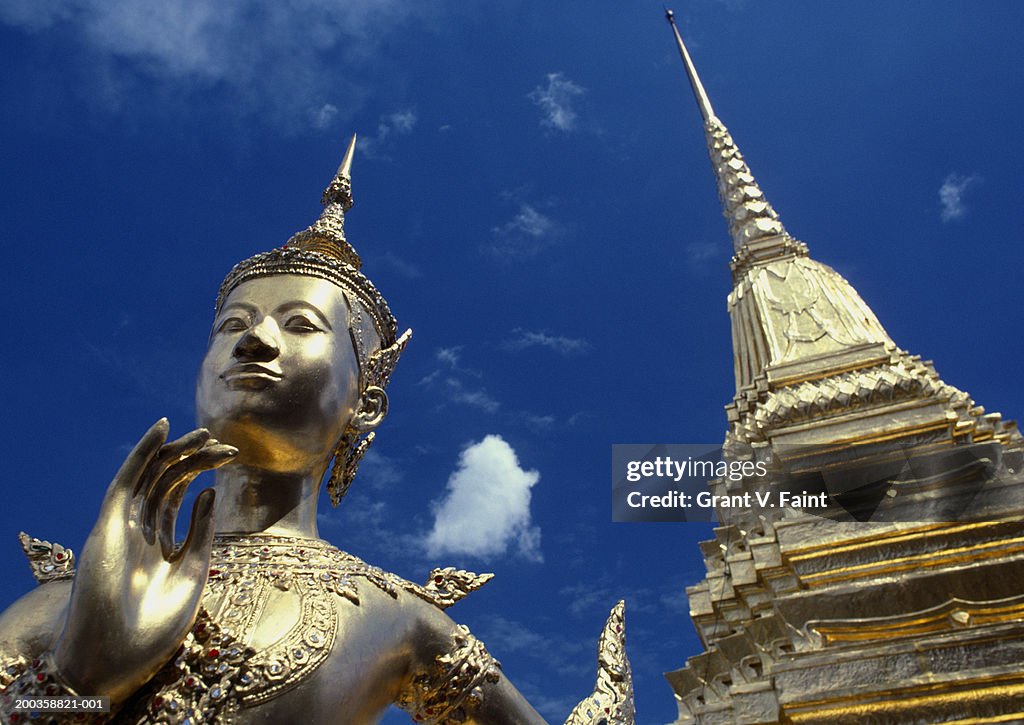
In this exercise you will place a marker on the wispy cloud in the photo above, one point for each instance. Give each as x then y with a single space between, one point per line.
556 99
733 5
540 422
449 355
473 397
403 267
525 234
323 117
951 195
456 391
698 254
277 59
378 471
486 507
522 339
449 379
398 123
555 650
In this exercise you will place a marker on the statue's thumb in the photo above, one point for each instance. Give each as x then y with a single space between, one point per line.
196 550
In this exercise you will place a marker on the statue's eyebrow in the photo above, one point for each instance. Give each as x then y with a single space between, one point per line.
251 309
304 305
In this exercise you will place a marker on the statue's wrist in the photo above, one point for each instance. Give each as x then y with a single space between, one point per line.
93 676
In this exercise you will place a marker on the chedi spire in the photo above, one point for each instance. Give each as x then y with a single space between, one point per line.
751 217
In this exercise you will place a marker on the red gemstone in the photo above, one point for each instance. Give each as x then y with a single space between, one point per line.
189 682
214 572
58 557
41 677
213 653
157 702
438 579
15 717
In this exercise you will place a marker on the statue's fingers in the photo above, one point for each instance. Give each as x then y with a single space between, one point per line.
169 489
170 454
119 493
194 556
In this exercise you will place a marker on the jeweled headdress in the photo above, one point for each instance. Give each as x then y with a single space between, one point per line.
321 250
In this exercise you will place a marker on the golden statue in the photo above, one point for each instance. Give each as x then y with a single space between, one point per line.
254 618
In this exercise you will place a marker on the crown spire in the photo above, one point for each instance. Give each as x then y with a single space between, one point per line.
751 217
327 234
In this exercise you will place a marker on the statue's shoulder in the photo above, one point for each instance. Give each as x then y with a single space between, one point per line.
443 588
29 625
49 561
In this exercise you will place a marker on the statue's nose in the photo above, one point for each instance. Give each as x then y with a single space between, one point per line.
256 345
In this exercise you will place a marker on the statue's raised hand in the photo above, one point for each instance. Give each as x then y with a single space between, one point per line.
134 596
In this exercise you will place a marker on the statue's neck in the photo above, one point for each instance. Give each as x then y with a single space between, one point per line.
251 501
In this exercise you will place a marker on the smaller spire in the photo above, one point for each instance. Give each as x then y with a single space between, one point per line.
327 234
703 102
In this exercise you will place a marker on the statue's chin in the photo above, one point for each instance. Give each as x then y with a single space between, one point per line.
277 451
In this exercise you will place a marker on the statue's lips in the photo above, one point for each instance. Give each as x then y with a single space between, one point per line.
250 375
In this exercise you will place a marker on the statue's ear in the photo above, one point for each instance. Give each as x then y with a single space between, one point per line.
373 406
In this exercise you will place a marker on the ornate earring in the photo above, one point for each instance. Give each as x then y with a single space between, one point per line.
347 455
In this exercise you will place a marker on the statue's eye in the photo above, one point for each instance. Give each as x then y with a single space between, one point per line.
300 323
232 324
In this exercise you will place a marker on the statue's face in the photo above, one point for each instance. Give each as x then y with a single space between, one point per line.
280 380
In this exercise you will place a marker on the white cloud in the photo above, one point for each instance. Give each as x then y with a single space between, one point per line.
276 59
556 102
559 343
526 234
486 507
951 195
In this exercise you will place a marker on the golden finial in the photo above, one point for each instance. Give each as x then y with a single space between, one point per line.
703 102
327 234
340 188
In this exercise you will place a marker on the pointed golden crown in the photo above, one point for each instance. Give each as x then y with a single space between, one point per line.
321 250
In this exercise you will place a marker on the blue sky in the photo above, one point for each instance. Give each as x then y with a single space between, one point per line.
534 198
